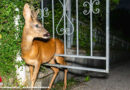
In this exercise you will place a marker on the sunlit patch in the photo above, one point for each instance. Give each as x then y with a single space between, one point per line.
0 36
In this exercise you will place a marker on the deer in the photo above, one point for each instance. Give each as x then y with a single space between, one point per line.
36 52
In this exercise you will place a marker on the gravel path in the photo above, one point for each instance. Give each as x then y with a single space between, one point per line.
119 79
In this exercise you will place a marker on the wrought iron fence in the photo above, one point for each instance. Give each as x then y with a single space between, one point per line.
65 31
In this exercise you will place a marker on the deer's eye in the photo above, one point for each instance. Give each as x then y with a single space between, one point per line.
37 26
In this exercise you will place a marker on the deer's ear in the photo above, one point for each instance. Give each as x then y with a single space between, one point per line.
27 12
35 14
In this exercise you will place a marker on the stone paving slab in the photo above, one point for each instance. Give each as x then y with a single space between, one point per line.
119 79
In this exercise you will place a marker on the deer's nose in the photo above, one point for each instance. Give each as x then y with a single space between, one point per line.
47 35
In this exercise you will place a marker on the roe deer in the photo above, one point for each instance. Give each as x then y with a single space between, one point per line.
36 52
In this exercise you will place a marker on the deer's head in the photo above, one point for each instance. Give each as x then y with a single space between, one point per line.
32 26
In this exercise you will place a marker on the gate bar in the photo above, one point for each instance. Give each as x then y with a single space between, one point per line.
107 35
77 28
89 57
42 11
91 28
64 12
77 68
53 23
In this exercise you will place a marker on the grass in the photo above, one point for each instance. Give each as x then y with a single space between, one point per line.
59 85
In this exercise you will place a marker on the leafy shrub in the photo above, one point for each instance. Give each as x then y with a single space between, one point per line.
9 44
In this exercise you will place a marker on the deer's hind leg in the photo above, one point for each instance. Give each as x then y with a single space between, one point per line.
56 70
61 61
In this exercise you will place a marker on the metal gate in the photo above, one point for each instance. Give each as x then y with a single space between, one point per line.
66 32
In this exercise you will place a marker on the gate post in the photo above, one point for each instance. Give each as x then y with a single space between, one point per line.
69 28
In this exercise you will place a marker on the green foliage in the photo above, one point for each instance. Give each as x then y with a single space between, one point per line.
58 14
9 44
59 85
87 78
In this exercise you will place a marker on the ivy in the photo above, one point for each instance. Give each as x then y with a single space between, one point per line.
9 44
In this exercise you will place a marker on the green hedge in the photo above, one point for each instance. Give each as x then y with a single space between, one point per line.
9 45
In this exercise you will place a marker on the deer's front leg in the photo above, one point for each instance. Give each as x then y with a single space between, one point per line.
35 73
31 72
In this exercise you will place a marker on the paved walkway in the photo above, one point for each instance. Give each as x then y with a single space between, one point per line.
119 79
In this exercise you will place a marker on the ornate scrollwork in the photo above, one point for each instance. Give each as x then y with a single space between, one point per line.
63 31
86 4
97 10
46 12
